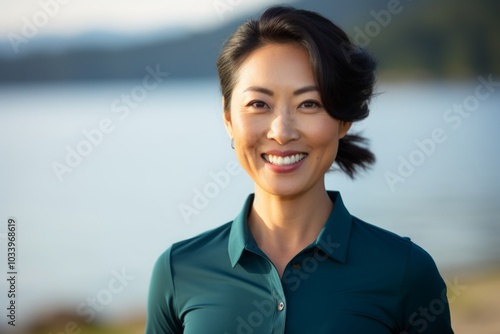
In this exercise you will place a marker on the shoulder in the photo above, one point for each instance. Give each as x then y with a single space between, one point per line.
200 246
390 248
193 252
382 239
421 269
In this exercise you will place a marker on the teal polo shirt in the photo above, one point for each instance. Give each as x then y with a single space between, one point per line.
355 278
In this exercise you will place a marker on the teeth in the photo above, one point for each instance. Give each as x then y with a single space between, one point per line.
284 161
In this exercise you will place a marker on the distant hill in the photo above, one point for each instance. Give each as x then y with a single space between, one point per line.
443 39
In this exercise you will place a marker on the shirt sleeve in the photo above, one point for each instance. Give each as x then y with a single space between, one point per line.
425 304
161 307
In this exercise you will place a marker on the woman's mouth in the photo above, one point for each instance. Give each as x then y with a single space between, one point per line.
284 160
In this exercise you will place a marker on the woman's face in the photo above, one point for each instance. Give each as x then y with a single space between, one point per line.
283 137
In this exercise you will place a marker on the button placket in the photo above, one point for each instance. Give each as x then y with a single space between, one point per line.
279 298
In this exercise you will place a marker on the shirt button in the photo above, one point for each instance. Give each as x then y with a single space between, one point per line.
281 306
296 265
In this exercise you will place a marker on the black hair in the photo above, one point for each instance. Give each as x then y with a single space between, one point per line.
344 73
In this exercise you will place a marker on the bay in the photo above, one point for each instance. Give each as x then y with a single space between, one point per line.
124 201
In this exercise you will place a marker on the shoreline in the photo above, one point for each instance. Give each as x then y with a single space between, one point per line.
476 309
473 293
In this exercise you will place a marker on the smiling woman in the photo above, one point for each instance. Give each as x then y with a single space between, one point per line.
283 136
295 260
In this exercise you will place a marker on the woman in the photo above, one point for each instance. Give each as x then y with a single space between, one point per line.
294 260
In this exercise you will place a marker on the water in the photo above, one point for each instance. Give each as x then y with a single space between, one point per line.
119 207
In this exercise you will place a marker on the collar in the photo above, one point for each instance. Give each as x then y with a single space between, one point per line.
333 238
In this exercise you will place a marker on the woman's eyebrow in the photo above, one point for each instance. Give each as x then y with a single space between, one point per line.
259 90
306 89
269 92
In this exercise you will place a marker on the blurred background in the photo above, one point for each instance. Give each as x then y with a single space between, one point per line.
112 146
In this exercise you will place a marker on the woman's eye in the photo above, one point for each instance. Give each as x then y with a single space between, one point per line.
310 104
258 104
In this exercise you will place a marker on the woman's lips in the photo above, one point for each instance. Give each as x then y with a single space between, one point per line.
284 160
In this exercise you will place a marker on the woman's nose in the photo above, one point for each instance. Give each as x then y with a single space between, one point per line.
283 128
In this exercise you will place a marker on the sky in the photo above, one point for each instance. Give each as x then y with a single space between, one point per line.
70 17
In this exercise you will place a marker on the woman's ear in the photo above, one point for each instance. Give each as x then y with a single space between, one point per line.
344 126
226 114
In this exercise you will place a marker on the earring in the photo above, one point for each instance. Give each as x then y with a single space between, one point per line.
232 143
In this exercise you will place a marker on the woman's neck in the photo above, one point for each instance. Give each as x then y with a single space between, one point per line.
287 225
